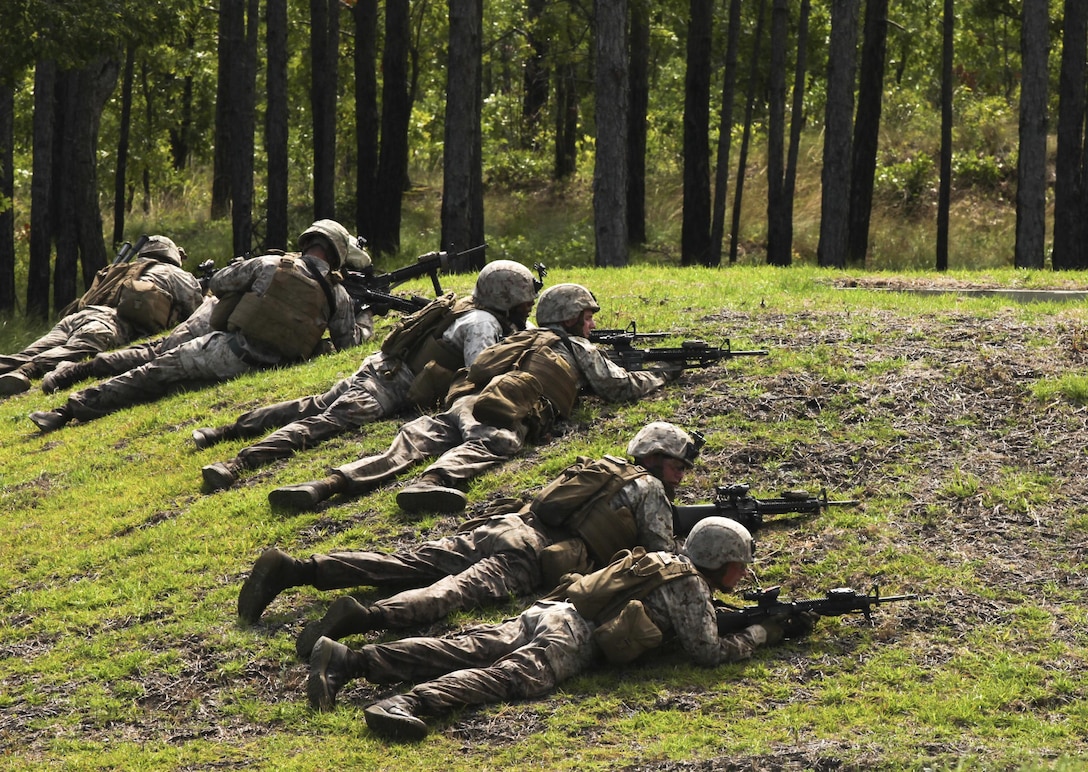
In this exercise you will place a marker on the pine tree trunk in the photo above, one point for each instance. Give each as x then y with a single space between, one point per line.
396 110
695 225
1031 167
1069 196
276 130
835 179
366 114
610 168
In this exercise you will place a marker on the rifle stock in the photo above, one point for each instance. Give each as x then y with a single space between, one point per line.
736 502
836 602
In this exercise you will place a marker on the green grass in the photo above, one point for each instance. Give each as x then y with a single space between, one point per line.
957 422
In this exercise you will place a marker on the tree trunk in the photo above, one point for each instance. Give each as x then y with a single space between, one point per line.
396 111
610 167
867 129
1031 167
81 97
636 124
566 121
462 188
778 236
1069 233
231 26
725 136
835 179
276 131
944 194
181 134
535 76
742 163
695 225
41 190
243 109
122 149
366 114
797 121
7 196
324 45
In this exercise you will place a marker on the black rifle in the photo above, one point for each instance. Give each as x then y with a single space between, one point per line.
768 608
128 251
375 290
735 502
623 337
689 354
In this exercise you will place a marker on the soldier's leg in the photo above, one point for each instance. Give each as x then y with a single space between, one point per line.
207 359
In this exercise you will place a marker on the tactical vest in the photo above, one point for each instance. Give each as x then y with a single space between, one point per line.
513 375
138 301
290 316
579 500
612 598
417 343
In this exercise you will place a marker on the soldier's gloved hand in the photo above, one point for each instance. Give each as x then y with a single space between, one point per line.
670 371
800 624
774 632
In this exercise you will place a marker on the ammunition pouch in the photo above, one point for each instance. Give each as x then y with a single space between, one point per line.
146 305
430 385
629 634
565 557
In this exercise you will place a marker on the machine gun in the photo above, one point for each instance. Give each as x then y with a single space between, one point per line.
369 289
768 608
688 355
737 503
129 251
623 337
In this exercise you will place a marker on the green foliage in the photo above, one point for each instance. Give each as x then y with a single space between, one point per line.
906 183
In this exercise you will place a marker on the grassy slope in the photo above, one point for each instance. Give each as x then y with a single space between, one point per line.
119 577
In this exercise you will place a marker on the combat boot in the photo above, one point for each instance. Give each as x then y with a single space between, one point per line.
18 380
66 374
210 435
51 420
346 616
220 475
307 495
332 665
273 573
395 719
431 494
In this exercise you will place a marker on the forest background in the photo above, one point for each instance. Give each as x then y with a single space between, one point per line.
912 134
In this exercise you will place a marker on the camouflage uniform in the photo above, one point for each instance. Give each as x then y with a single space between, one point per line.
378 389
520 658
117 361
467 447
96 328
496 560
209 358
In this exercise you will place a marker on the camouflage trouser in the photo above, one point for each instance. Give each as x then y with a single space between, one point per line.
208 359
74 338
488 564
520 658
374 392
466 447
124 359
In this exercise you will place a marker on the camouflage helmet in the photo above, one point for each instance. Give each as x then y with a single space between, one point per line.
162 249
358 258
335 237
503 284
562 302
715 541
665 438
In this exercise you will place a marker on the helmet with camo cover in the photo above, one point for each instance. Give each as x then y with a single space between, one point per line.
665 438
358 258
716 541
503 284
163 249
333 235
563 302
